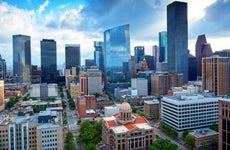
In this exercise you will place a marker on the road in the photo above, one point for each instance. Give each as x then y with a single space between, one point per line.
163 135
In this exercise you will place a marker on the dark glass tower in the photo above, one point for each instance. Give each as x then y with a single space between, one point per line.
21 58
177 38
163 46
49 61
2 68
73 56
138 52
203 49
117 58
98 55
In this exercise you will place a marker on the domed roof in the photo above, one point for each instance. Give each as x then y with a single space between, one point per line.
125 107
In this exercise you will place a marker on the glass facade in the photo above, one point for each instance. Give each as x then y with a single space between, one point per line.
177 38
49 61
21 58
2 68
73 56
138 52
117 58
163 46
98 55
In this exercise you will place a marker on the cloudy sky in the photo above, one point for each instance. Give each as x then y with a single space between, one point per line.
84 21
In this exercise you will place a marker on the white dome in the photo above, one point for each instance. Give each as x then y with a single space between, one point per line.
125 107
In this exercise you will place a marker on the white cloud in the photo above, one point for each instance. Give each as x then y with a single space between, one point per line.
43 6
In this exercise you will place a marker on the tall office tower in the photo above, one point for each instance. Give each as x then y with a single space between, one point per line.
73 56
133 68
224 124
203 49
49 61
98 55
155 55
83 83
215 75
223 53
144 66
2 68
21 58
1 95
89 63
117 58
163 46
149 60
138 52
177 38
94 81
192 75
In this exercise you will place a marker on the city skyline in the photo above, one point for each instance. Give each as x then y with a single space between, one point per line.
83 22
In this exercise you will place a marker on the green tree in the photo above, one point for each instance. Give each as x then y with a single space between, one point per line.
163 144
204 145
140 113
189 141
69 141
96 94
185 133
214 144
90 146
214 127
134 109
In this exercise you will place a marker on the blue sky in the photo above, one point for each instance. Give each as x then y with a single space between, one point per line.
84 21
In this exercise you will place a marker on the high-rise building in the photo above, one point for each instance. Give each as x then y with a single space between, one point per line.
21 58
89 63
203 49
94 81
2 95
177 38
149 60
155 53
73 56
138 52
151 109
49 61
133 68
98 55
144 66
2 68
224 124
163 46
117 58
192 75
215 75
83 83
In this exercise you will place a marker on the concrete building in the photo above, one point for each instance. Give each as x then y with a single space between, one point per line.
152 109
83 83
204 135
126 131
189 112
2 68
111 110
142 86
44 90
75 89
224 124
215 72
94 81
2 103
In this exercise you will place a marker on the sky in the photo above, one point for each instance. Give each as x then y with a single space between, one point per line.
84 21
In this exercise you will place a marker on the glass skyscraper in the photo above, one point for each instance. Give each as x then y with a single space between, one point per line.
117 58
98 55
73 56
177 38
163 46
21 58
49 61
2 68
139 51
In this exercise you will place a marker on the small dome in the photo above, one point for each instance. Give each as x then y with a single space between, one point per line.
125 107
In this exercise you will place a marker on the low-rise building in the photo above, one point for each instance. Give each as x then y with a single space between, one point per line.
151 109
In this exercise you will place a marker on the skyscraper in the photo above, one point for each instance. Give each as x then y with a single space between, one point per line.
155 53
117 58
215 75
98 55
203 49
138 52
1 95
49 61
21 58
73 56
177 38
2 68
163 46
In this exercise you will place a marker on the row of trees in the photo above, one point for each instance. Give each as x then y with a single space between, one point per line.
69 141
70 101
12 102
163 144
169 130
90 134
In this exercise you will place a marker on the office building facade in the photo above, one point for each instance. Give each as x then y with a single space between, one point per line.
73 56
117 58
49 61
2 68
94 81
192 68
163 46
21 58
215 75
98 55
138 52
177 38
89 63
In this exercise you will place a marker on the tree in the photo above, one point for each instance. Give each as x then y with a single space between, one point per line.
69 141
90 146
189 141
96 94
204 145
214 144
140 113
185 133
163 144
134 109
214 127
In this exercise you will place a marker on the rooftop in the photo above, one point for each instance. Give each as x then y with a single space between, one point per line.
48 125
203 132
152 102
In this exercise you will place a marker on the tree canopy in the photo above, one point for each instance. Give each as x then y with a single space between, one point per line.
163 144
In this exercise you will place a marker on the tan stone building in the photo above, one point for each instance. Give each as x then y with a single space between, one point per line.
127 131
151 109
75 89
2 103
